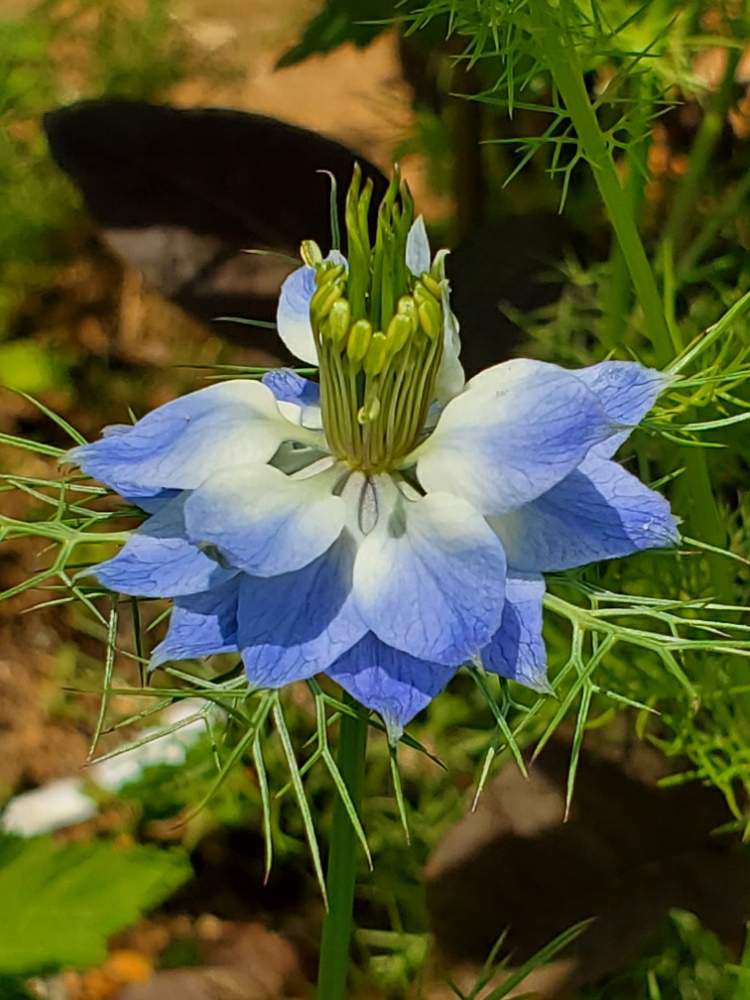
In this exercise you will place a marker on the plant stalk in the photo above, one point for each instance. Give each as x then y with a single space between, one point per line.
342 862
703 519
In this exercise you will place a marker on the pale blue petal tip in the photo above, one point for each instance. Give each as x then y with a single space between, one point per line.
418 258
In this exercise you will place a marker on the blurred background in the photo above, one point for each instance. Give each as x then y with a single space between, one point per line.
112 885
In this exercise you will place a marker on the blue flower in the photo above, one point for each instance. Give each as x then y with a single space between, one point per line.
391 522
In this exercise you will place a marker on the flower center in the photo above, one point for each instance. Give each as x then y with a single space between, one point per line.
379 334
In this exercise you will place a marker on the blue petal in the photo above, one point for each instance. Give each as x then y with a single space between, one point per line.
517 648
627 391
201 625
298 398
598 512
178 445
263 521
515 431
388 681
155 503
289 387
293 312
295 625
429 577
159 561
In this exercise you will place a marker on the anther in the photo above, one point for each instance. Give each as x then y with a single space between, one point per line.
359 340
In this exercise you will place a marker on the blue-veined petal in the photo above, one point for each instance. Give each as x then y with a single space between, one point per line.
263 521
180 444
418 257
517 648
295 625
627 391
201 625
388 681
451 378
159 561
293 311
597 512
155 503
301 396
516 430
429 577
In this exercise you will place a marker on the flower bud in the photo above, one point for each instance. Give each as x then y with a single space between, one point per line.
359 340
339 319
400 329
377 354
430 317
311 253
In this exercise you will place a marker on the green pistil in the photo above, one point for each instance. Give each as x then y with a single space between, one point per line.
379 333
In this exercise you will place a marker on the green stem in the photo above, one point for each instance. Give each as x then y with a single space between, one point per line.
559 53
342 862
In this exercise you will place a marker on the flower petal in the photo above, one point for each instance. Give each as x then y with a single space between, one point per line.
293 311
388 681
429 578
295 625
201 625
597 512
303 396
263 521
180 444
517 649
450 378
418 257
159 561
515 431
293 314
627 391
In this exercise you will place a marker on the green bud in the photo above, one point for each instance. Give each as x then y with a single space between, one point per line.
400 329
359 340
408 307
432 286
377 354
339 319
430 317
324 298
311 253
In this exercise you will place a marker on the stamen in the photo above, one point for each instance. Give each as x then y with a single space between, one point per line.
378 331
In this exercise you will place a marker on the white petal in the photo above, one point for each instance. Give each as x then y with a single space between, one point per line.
293 312
180 444
264 522
418 248
429 577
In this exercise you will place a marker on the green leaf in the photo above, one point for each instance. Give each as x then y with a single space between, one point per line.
60 903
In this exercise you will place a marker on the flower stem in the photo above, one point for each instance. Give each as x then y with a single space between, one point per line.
342 861
559 53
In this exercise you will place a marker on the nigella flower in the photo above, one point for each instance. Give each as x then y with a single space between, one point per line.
388 523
